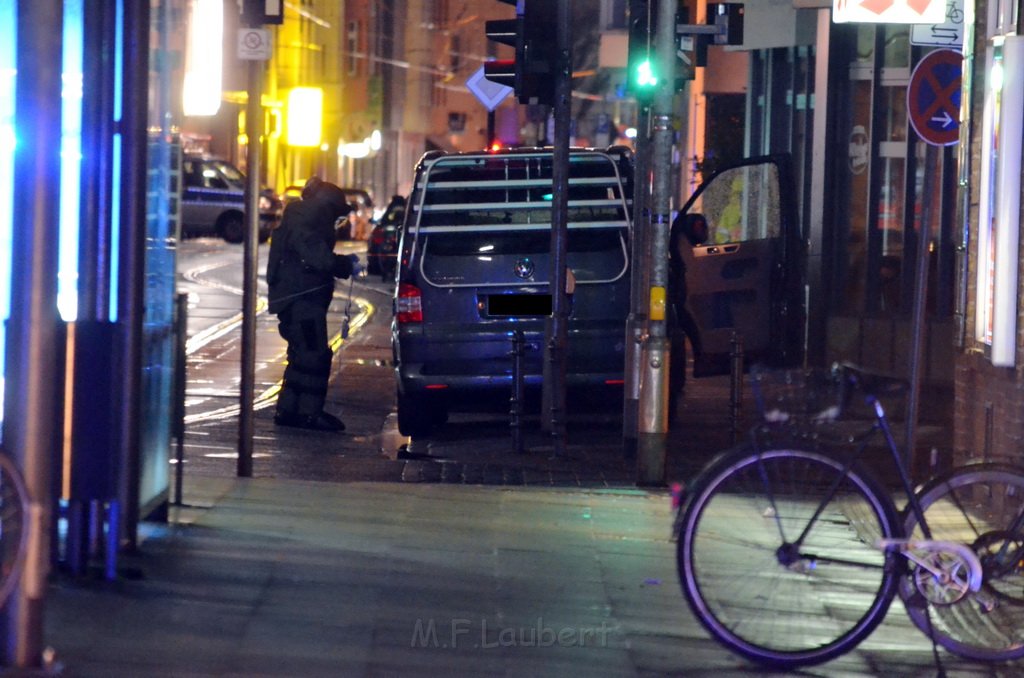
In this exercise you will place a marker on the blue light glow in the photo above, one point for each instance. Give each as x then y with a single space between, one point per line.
8 70
115 197
115 231
71 160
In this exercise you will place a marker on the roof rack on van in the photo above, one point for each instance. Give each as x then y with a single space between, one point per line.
512 190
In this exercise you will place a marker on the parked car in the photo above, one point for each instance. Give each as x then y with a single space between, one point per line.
474 268
213 200
382 245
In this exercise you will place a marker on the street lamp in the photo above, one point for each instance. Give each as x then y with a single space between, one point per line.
204 58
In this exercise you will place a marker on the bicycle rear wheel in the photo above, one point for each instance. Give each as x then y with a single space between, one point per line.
762 590
981 506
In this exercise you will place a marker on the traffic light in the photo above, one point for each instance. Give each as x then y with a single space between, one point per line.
642 65
507 32
728 17
533 34
259 12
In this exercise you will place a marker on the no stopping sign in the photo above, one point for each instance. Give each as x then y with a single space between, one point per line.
933 97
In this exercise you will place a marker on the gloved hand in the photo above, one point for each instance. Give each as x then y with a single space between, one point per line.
357 266
347 266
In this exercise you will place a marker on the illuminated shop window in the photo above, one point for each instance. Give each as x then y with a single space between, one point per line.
995 322
999 203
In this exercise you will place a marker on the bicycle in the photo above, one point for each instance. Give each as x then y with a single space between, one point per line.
790 552
14 511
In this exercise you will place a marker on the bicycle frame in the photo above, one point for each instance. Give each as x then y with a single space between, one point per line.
789 552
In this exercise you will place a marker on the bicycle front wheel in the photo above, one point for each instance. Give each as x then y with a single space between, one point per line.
981 506
777 555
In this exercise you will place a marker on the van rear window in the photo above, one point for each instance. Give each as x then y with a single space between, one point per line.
517 190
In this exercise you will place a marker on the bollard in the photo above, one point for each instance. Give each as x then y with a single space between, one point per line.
736 385
516 401
178 423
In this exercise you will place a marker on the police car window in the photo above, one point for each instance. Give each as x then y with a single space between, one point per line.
231 172
213 180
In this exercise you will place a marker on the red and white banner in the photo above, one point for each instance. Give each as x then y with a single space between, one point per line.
889 11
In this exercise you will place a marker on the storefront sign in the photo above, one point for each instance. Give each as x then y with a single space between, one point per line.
889 11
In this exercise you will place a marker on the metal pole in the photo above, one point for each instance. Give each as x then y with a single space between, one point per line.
556 328
180 375
918 337
964 166
653 415
518 390
132 282
246 397
30 401
636 323
736 385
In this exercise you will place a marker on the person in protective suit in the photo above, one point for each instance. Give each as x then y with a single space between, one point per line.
300 274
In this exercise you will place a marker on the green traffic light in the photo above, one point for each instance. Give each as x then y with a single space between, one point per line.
645 74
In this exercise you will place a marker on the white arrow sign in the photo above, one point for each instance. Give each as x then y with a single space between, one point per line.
489 93
949 33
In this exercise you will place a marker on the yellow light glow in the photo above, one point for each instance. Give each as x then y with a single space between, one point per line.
305 116
203 58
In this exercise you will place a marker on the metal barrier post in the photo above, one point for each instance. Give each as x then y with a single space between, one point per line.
516 401
736 385
113 529
181 335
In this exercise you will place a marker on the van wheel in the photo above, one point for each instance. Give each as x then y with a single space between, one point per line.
416 416
232 227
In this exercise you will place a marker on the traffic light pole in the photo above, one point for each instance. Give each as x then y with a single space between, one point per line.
636 323
654 355
556 329
247 381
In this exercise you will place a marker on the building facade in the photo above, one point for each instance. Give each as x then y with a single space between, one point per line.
990 362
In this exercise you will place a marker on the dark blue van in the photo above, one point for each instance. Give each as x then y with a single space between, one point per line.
474 268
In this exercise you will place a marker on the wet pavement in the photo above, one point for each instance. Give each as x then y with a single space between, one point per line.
366 554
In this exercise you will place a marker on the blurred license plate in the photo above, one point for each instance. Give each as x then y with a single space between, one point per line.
519 305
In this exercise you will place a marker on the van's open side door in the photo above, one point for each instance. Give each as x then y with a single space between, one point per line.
747 277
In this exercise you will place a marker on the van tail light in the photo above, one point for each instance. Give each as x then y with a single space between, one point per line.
409 304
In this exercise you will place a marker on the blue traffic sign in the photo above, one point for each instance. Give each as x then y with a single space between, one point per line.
933 97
